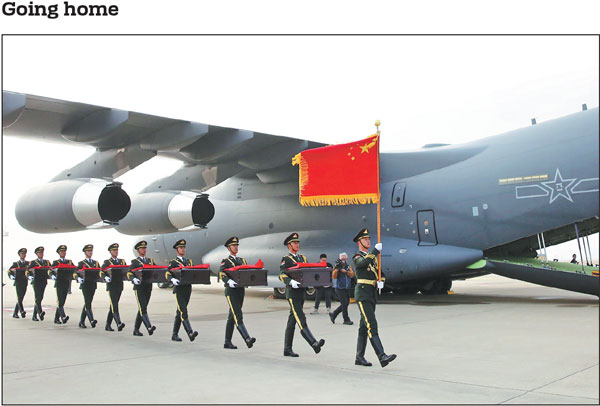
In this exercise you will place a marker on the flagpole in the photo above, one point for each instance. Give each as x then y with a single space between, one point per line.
377 123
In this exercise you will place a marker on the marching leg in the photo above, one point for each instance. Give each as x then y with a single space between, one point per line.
109 319
114 305
188 329
15 313
176 325
249 340
384 359
229 332
147 323
137 325
35 318
316 345
82 318
289 334
361 346
57 315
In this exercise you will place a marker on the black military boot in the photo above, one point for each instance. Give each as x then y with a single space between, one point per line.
147 323
249 340
56 317
316 345
82 319
64 318
35 318
23 312
117 317
361 346
107 327
287 344
188 329
176 325
41 313
16 312
90 316
378 347
109 319
137 325
228 334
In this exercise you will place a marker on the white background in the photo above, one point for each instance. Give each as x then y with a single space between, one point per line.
329 89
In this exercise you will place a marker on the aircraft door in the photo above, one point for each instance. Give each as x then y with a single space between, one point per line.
426 222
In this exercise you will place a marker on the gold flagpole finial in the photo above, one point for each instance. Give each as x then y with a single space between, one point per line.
377 123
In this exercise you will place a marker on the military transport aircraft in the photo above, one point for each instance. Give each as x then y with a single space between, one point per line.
448 211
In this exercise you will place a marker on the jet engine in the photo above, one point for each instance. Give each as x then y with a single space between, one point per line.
72 205
166 212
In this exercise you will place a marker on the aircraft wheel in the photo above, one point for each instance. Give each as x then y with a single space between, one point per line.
437 287
279 293
310 293
406 290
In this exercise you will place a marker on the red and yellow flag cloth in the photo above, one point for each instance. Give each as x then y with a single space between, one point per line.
338 175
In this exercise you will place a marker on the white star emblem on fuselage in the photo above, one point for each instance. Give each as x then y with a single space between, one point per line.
559 187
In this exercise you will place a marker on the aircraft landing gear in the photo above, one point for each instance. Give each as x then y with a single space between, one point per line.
437 287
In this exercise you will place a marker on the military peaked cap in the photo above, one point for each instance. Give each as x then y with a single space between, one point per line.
141 244
179 243
232 241
364 233
291 238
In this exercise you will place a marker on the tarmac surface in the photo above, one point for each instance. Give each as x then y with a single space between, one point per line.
495 340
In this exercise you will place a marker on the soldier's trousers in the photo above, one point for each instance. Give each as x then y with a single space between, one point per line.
88 296
368 322
296 316
38 290
114 294
142 295
182 297
21 290
62 290
235 300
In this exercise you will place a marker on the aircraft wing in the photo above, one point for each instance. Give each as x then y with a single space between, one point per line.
124 140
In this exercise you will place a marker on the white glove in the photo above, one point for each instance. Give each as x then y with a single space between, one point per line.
30 277
378 246
107 279
379 284
53 277
136 281
12 277
79 279
294 284
175 281
231 283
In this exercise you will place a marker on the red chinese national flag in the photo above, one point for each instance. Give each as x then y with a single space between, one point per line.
340 174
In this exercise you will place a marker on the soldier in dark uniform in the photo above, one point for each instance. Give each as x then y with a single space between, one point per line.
365 294
61 285
143 290
295 296
182 294
234 295
114 288
39 283
20 282
88 288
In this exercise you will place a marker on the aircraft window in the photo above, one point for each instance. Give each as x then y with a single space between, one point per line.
398 194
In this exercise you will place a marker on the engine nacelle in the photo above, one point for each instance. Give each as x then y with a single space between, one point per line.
166 212
72 205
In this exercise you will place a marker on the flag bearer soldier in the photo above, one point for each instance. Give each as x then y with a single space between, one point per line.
39 283
114 288
235 296
295 296
142 290
88 287
365 294
182 293
61 285
21 283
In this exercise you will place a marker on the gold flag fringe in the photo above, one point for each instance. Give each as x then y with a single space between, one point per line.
341 200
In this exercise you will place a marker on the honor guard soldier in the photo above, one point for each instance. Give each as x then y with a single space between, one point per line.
295 296
365 294
20 284
39 283
114 288
143 290
182 293
234 295
88 288
61 285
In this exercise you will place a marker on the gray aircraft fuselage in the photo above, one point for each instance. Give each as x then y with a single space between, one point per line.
441 207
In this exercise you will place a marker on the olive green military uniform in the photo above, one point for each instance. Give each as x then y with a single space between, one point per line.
20 284
62 290
182 297
88 288
143 291
365 293
114 289
39 286
295 298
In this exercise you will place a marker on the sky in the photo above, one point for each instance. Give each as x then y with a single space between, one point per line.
424 89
